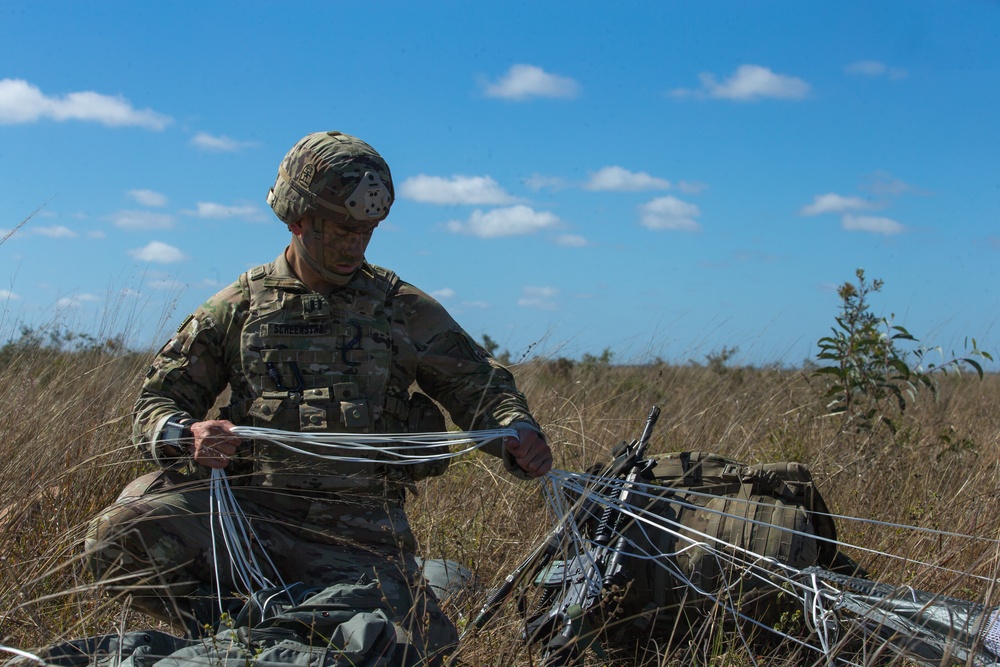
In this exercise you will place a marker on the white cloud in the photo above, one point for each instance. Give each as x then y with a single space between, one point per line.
834 203
669 213
138 220
537 182
209 283
874 68
167 285
55 232
512 221
538 297
525 81
571 241
219 144
867 223
691 187
148 198
215 211
21 102
443 293
620 179
158 252
7 295
454 190
881 183
76 301
749 83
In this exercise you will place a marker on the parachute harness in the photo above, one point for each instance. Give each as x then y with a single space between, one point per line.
236 530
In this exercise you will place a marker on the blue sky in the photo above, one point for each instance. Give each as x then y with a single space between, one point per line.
663 179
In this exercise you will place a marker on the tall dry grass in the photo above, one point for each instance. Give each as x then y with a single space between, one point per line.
65 454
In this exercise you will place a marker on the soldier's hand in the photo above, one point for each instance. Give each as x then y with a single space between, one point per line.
213 443
530 451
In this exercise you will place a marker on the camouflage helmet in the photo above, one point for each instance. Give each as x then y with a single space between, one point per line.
332 172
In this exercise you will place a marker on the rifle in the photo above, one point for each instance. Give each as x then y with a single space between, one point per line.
584 576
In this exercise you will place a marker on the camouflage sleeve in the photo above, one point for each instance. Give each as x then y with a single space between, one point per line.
191 370
455 370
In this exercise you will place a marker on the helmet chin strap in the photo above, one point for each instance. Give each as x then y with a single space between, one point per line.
317 266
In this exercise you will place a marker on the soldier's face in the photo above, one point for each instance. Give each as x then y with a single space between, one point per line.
341 243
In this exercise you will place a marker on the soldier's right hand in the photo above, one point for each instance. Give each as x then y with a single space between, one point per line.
213 443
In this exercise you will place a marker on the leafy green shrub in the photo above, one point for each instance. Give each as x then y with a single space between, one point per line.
867 377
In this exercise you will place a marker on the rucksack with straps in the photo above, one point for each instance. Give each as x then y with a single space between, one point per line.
710 505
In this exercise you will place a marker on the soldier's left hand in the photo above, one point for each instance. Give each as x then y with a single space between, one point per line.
530 451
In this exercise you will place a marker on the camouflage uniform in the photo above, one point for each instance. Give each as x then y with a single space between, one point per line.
302 361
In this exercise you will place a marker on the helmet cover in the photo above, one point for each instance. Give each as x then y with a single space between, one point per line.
332 172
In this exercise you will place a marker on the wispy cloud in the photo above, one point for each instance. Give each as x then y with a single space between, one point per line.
522 82
669 213
219 144
454 190
167 284
158 252
571 241
443 293
139 220
21 102
691 187
874 68
834 203
875 225
76 301
619 179
148 198
536 182
55 232
511 221
748 83
7 295
884 184
542 298
204 209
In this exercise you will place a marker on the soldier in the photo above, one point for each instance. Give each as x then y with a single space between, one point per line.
319 340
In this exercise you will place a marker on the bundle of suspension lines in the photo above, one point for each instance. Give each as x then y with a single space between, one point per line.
236 530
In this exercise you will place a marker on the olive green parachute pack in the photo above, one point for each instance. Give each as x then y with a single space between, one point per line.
696 509
773 511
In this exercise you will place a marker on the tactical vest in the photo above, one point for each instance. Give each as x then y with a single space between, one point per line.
322 364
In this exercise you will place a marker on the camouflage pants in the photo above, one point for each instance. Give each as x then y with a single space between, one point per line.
157 539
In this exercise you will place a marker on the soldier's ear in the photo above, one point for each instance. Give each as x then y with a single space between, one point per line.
298 227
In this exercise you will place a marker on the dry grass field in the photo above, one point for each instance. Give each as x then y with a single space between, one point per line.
65 454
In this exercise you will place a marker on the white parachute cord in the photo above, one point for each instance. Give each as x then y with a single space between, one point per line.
575 541
751 566
235 528
23 654
816 614
817 597
393 448
213 513
655 491
247 531
238 536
